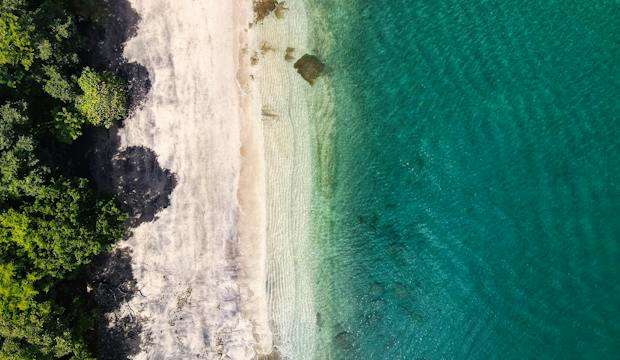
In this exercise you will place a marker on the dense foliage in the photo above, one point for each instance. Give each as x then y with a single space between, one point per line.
52 222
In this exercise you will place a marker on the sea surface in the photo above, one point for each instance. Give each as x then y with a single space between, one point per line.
467 201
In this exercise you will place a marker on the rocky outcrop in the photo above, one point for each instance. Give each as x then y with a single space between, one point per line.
310 68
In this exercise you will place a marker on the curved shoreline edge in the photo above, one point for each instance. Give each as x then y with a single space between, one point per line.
252 221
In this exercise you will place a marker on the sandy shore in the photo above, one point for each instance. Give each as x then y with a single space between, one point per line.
225 270
200 265
288 154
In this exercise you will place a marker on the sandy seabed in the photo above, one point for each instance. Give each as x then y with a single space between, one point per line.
224 271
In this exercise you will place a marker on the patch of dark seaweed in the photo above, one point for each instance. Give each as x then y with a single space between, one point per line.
262 8
273 355
280 10
344 340
289 54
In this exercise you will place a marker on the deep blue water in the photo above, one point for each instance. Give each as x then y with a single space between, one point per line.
470 209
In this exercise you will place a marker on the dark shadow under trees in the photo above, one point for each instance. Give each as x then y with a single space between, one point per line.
113 284
132 174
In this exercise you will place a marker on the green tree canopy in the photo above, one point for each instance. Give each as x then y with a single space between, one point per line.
16 46
52 222
39 48
20 171
104 100
61 230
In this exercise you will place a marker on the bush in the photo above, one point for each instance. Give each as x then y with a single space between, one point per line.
15 40
104 98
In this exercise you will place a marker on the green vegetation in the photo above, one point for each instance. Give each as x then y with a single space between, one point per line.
52 221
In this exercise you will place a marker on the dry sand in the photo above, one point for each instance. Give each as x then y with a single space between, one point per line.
201 265
225 271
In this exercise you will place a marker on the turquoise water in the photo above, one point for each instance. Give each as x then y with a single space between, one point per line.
468 207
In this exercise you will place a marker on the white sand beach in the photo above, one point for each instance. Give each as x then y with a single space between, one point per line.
224 271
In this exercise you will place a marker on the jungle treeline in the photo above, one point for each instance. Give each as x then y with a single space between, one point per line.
53 221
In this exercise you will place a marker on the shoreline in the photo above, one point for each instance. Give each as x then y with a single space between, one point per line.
250 258
226 268
252 191
287 128
199 265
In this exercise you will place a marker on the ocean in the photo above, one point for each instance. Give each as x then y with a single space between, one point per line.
466 193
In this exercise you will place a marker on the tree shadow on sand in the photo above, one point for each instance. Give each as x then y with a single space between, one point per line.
143 188
114 285
133 174
117 23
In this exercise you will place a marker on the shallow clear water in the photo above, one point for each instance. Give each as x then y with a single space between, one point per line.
470 206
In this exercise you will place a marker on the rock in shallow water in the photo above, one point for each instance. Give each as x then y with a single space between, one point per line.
309 67
262 8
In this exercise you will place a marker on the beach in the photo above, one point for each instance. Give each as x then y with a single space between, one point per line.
309 180
222 270
287 128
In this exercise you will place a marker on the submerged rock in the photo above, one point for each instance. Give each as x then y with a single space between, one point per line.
401 292
319 320
309 67
289 54
273 355
262 8
344 340
376 289
280 10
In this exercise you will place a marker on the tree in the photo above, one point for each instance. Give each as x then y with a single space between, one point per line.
61 230
68 125
57 86
42 243
30 329
52 222
16 46
104 99
20 172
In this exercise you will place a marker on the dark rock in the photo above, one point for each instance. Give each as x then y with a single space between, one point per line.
273 355
262 8
309 67
343 340
289 54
